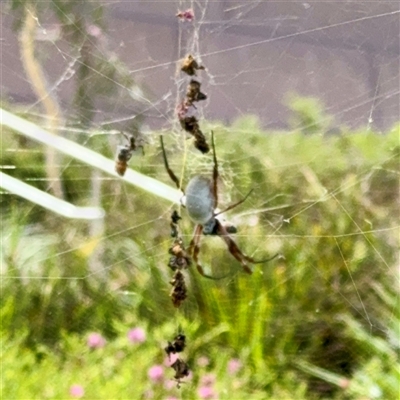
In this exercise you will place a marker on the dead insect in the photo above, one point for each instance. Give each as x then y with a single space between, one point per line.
187 15
175 217
190 65
201 204
200 142
180 258
193 92
191 125
179 342
179 289
125 153
181 369
121 163
177 346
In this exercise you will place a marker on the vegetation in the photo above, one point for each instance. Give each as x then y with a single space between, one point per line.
320 322
84 316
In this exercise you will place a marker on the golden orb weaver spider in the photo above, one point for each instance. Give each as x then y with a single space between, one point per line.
201 204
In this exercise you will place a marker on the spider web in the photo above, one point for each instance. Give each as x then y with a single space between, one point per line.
258 55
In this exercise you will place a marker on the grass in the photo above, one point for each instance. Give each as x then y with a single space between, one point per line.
320 322
120 370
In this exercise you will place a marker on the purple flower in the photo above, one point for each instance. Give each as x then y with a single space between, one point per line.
156 373
76 391
234 366
206 392
137 335
96 341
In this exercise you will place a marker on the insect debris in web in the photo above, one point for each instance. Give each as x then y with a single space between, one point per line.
186 108
179 289
179 261
181 369
180 366
187 15
177 346
191 125
190 65
193 93
175 217
125 153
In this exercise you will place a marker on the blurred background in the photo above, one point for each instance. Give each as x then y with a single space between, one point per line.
303 99
346 55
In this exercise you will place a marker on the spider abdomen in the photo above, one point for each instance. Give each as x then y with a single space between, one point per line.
200 200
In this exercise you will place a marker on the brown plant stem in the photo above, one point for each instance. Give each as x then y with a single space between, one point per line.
38 82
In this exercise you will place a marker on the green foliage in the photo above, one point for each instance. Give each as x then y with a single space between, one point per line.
308 115
378 375
328 204
320 321
119 370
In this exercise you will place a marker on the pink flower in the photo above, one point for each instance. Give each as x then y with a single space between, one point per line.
96 341
76 391
206 392
203 361
169 384
171 359
156 373
190 376
234 366
137 335
208 379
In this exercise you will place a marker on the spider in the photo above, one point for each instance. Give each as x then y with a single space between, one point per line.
201 204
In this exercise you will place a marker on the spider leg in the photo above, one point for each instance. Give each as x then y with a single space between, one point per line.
126 136
215 173
253 261
169 170
215 181
236 252
194 249
235 204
